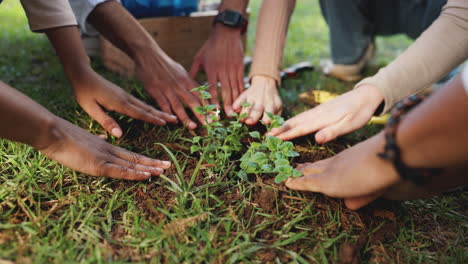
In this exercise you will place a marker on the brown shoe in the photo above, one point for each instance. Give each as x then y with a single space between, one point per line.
349 73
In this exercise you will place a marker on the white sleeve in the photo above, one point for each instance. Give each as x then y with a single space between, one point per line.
82 9
464 75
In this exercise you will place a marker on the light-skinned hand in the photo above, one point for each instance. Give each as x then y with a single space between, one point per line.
334 118
262 97
357 174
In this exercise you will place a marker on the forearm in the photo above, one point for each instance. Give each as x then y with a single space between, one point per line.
434 134
438 50
68 46
123 30
271 38
23 120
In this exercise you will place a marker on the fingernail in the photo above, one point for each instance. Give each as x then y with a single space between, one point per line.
116 132
159 169
167 163
146 173
319 137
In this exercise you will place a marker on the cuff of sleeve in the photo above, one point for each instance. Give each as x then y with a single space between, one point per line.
384 87
82 10
265 70
58 22
464 75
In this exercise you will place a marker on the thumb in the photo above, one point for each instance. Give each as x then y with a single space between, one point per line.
358 202
109 124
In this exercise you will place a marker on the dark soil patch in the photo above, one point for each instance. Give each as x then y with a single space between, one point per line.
268 198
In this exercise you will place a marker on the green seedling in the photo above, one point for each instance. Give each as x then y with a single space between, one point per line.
270 155
222 140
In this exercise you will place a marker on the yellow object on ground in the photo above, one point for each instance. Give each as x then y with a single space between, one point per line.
318 97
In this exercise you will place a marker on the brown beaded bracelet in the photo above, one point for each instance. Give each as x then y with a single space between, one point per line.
393 153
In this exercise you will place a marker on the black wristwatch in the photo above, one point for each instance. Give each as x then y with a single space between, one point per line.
232 19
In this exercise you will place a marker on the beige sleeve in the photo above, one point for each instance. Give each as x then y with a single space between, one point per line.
45 14
442 47
270 39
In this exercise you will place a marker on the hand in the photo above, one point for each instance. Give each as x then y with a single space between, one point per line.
356 174
336 117
93 93
222 58
79 150
262 97
169 84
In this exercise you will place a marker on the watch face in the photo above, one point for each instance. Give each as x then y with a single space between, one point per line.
231 18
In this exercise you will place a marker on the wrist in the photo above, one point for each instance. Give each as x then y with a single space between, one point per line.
372 96
48 133
221 29
267 81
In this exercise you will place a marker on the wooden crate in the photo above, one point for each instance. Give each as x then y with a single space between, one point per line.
179 37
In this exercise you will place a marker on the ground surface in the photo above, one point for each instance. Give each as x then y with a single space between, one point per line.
51 214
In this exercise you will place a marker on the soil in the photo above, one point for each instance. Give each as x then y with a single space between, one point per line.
267 198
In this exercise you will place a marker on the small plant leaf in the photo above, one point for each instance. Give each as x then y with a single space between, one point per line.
267 168
194 148
280 178
286 146
273 143
283 169
196 139
281 162
242 175
292 154
200 110
255 134
296 173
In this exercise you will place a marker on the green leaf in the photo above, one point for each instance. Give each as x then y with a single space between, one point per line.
258 157
279 155
242 175
286 146
273 143
246 104
210 108
267 168
292 153
255 134
200 88
200 110
280 178
244 115
194 148
283 169
296 173
196 139
282 162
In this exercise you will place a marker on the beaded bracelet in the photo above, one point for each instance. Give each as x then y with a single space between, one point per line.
393 153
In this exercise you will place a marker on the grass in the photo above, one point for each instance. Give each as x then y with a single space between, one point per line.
53 214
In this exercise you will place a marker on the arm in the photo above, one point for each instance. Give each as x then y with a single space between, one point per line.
222 58
265 73
163 78
93 92
432 135
23 120
438 50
